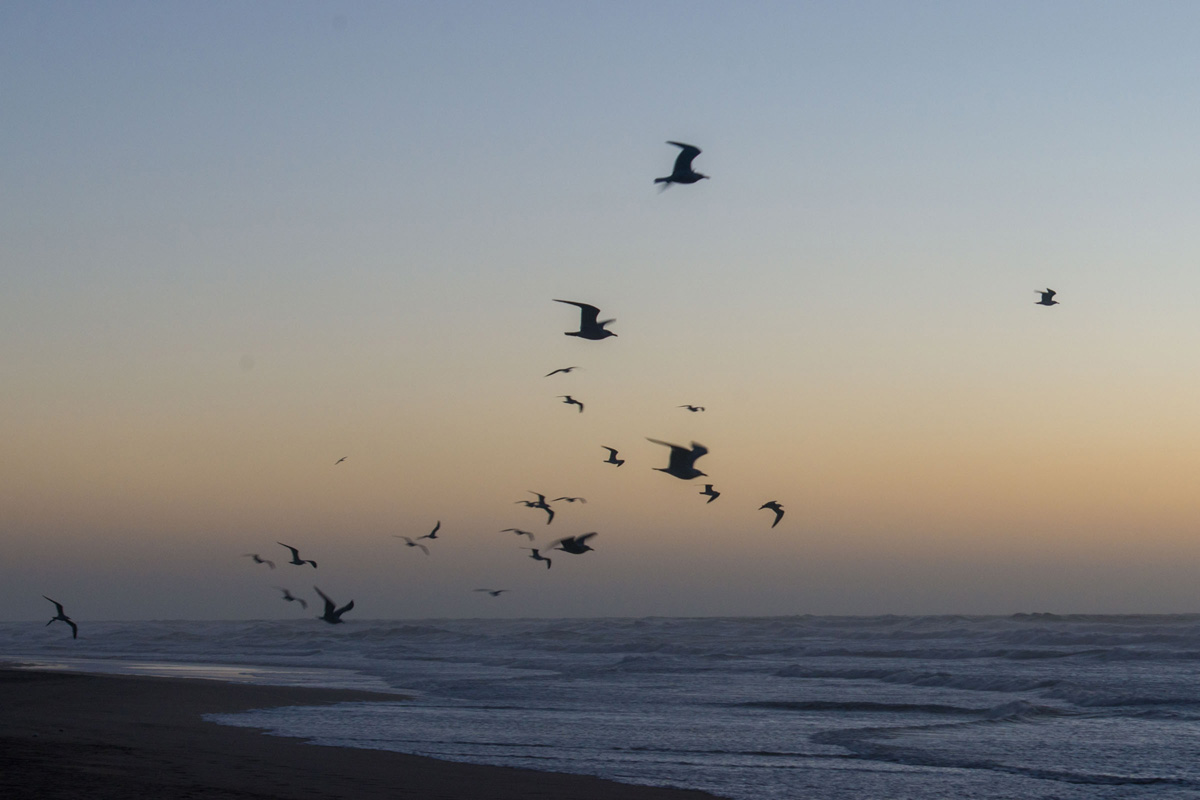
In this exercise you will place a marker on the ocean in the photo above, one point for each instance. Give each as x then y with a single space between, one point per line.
870 708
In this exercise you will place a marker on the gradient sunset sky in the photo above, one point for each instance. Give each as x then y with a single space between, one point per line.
244 240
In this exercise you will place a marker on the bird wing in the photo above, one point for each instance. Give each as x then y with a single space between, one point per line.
344 608
328 602
588 314
295 552
424 549
687 152
57 605
74 628
583 537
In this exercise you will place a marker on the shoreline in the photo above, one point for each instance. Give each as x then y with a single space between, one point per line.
76 734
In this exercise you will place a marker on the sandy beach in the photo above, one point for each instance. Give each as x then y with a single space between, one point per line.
75 735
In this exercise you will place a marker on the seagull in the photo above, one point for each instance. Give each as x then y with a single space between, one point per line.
612 456
774 506
539 503
331 616
494 592
296 559
692 408
574 544
683 461
518 532
568 400
61 615
683 172
340 460
589 328
410 543
291 598
433 533
259 559
712 493
571 499
536 556
563 370
1047 297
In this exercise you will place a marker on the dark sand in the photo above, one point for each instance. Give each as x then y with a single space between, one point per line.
94 737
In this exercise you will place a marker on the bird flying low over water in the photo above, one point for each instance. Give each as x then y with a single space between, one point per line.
682 463
494 592
518 532
589 327
291 598
331 616
774 506
433 533
61 615
1047 297
536 556
712 493
574 544
563 370
612 456
683 172
692 408
410 543
296 559
567 399
259 559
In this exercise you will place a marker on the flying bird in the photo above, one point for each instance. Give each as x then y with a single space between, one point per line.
494 592
563 370
259 559
410 543
1047 297
568 400
612 456
340 460
539 503
683 172
433 533
296 559
589 328
61 615
536 556
518 532
574 544
692 408
774 506
291 598
682 463
571 499
331 616
712 493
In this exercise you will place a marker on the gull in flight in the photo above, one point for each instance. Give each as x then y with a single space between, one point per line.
692 408
296 559
518 532
589 327
536 556
563 370
683 172
410 543
331 616
291 598
774 506
61 615
574 544
539 503
568 400
340 460
682 463
259 559
1047 297
433 533
494 592
712 493
571 499
612 456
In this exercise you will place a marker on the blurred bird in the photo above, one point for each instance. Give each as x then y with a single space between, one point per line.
612 456
296 559
340 460
574 544
1047 297
331 616
539 503
774 506
568 400
536 556
683 172
518 532
589 327
61 615
410 543
692 408
433 533
571 499
291 598
563 370
259 559
682 463
712 493
493 592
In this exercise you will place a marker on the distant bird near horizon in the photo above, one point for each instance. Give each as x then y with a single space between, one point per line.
576 545
62 615
536 556
331 616
589 327
776 507
683 172
494 592
1047 297
291 598
518 532
539 503
433 533
563 370
682 463
692 408
296 559
612 456
259 559
571 499
410 543
340 460
712 493
568 400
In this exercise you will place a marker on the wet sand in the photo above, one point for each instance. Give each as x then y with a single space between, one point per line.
75 735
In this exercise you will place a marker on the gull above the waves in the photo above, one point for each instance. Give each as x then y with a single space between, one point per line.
1047 297
61 615
259 559
589 326
691 408
563 370
567 399
536 556
331 616
683 172
410 543
518 532
576 545
296 559
612 456
682 463
494 592
712 493
433 533
291 598
776 507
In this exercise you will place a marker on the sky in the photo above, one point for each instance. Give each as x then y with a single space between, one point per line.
241 241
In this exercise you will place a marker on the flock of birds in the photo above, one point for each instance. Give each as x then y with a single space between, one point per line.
681 462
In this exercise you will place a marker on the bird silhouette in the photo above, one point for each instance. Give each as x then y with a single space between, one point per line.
612 456
692 408
536 556
563 370
539 503
410 543
518 532
589 327
296 559
1047 297
61 615
774 506
571 499
712 493
291 598
433 533
682 463
567 399
331 616
259 559
683 172
576 545
494 592
340 460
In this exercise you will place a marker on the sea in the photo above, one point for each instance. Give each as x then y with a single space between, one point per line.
870 708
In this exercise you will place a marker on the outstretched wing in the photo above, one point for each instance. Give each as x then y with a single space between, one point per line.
57 605
328 602
687 152
344 608
587 314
